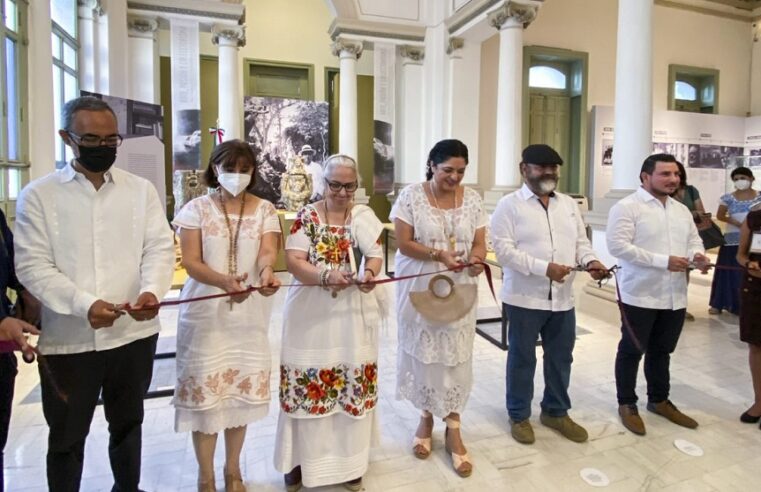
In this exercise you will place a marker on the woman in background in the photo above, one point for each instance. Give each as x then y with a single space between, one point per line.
689 196
733 207
749 256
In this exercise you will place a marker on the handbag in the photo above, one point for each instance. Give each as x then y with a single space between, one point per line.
444 307
711 236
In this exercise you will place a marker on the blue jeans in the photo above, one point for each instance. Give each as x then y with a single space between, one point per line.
558 330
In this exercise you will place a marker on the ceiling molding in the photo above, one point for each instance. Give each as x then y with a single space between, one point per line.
202 10
379 31
716 8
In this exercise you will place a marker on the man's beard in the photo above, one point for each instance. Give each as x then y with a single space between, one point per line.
544 185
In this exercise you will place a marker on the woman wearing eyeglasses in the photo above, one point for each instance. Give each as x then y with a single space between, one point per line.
328 367
439 224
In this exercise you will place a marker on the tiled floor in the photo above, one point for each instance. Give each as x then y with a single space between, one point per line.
710 381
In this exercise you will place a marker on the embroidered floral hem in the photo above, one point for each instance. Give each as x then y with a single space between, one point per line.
198 392
312 391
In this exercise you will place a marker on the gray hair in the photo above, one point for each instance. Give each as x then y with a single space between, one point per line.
341 160
84 103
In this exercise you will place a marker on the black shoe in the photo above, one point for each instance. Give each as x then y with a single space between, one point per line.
749 419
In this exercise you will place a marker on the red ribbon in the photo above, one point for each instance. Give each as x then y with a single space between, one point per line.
218 132
487 272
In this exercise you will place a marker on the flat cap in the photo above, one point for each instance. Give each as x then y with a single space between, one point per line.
541 155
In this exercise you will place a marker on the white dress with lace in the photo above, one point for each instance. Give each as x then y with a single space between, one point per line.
434 369
223 354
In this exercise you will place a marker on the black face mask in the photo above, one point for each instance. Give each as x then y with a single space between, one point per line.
97 159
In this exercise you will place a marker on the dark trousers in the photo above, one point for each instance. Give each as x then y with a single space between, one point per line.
558 330
122 375
657 332
7 382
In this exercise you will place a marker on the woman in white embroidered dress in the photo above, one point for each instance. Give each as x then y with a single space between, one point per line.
439 224
328 368
229 240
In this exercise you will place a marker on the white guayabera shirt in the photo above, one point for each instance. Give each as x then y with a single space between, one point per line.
642 233
75 245
527 238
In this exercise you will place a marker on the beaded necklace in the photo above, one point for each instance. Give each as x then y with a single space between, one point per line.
232 250
450 233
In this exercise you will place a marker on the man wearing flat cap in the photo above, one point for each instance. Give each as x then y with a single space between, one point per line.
539 238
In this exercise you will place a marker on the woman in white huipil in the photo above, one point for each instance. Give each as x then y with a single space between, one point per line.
439 224
229 241
328 363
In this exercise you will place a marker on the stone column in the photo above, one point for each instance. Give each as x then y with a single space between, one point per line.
228 39
510 20
88 13
633 137
348 52
463 88
143 59
435 81
411 166
113 49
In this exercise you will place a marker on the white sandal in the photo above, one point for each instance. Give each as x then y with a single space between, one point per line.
460 462
421 446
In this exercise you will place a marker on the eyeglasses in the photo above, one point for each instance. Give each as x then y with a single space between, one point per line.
90 140
349 187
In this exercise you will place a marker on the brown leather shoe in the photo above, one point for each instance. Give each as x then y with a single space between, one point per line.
631 419
667 409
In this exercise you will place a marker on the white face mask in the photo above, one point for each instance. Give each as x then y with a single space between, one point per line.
742 184
235 183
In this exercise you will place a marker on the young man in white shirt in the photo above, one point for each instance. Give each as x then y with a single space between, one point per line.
88 239
656 241
539 238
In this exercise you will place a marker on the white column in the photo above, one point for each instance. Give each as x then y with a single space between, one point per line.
463 89
88 61
143 59
755 75
510 20
113 48
228 39
454 52
412 155
43 123
633 137
348 51
435 81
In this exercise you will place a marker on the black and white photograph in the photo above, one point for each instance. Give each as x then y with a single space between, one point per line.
186 142
607 152
383 154
279 129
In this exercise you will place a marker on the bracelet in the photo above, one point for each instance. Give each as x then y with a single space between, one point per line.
323 276
371 271
433 254
266 266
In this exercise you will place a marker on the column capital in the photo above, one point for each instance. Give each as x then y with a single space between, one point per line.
342 47
520 13
412 54
141 26
227 35
454 45
89 8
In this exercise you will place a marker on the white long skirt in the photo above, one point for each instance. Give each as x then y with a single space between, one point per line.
330 450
